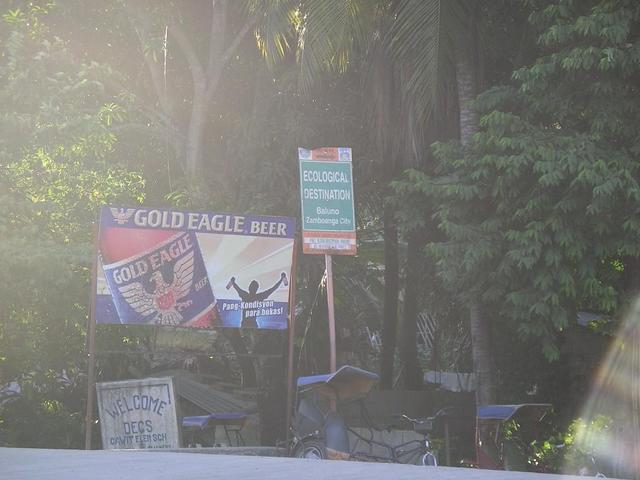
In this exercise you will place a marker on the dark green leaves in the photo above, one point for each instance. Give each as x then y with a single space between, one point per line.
541 215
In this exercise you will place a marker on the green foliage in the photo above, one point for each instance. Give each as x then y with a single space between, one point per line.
56 169
325 34
540 214
571 450
48 414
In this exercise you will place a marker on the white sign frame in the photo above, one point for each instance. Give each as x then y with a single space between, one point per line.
138 414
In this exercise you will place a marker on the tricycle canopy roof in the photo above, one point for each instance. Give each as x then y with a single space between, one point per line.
505 412
204 421
346 383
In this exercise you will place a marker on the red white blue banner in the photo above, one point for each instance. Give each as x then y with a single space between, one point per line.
193 269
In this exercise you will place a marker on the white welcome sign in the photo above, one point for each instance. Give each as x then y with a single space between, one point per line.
138 414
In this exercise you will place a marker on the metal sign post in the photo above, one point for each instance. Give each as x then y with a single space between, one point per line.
331 314
292 337
91 347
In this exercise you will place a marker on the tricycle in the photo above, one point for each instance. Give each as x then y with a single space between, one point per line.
319 431
504 434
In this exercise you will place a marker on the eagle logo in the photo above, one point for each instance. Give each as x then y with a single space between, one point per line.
164 302
122 215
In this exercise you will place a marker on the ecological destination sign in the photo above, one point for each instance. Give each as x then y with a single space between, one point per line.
138 414
326 191
193 269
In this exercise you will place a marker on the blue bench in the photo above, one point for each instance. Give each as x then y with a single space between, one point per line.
207 424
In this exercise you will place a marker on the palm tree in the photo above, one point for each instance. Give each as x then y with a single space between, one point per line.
442 40
419 60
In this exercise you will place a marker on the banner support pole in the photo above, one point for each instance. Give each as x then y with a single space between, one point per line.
91 334
331 312
292 337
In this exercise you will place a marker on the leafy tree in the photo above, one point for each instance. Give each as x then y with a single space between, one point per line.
174 59
539 215
53 176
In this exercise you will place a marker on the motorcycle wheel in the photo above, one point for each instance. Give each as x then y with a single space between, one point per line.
312 449
429 460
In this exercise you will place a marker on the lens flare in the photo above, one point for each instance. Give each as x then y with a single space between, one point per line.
611 428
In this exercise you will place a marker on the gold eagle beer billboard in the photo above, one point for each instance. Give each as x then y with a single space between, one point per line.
193 269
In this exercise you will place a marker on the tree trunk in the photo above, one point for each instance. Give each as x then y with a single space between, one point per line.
481 354
205 76
466 94
272 390
197 122
412 373
247 367
479 325
391 286
631 278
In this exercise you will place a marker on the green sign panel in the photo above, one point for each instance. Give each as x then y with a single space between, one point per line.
326 190
327 196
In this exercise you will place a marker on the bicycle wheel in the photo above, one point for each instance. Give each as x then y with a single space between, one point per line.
429 460
313 449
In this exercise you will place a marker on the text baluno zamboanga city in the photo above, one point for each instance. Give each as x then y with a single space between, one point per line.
223 223
142 432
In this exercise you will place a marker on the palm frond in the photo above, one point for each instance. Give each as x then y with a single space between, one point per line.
425 39
331 29
276 27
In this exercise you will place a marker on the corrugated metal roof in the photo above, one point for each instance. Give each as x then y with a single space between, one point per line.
208 397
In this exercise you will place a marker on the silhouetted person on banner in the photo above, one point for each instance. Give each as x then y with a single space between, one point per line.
252 296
